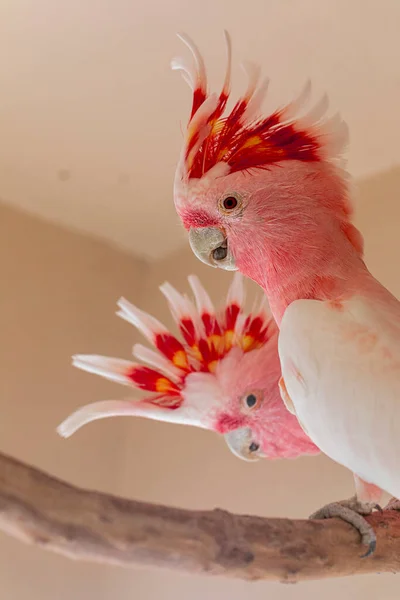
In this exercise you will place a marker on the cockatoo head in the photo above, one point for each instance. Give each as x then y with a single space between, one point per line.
262 193
220 374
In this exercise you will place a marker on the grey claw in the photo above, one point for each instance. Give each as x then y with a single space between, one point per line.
368 536
371 549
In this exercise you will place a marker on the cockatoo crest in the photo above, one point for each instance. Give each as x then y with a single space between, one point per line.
245 139
207 337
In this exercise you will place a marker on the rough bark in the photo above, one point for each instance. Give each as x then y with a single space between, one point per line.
86 525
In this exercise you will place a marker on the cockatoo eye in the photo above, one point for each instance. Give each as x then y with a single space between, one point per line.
252 401
230 203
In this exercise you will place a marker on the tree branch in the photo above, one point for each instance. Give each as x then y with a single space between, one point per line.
85 525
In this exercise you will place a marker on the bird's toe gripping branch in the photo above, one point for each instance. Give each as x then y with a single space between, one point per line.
352 512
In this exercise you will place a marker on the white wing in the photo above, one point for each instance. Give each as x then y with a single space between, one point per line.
341 367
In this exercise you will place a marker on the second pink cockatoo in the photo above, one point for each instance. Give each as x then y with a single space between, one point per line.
222 375
268 195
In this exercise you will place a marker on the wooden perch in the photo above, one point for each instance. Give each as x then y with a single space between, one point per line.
86 525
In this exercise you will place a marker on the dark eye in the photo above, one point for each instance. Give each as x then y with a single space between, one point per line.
251 400
254 447
230 202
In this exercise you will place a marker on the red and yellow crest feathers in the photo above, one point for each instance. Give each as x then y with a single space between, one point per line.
244 139
209 334
206 338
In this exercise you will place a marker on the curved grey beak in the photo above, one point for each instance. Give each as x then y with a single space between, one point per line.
239 442
211 247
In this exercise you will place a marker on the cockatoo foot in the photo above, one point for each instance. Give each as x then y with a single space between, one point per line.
393 504
351 511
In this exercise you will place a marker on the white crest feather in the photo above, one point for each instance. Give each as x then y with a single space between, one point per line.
253 72
110 368
201 75
180 64
149 326
118 408
93 412
254 107
316 113
228 45
292 110
203 300
180 306
236 292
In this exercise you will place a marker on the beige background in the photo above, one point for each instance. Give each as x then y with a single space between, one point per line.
58 297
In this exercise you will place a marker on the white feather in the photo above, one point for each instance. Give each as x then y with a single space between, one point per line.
201 75
203 300
236 292
253 72
236 295
228 45
179 64
147 325
341 368
263 307
113 369
315 114
93 412
292 110
180 305
334 134
122 408
253 109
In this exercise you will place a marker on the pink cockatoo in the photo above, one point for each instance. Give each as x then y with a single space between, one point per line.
268 196
222 375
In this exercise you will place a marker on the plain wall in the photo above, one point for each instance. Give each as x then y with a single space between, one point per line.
58 298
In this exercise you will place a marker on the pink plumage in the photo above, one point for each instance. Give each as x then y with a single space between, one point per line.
236 169
268 196
221 373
